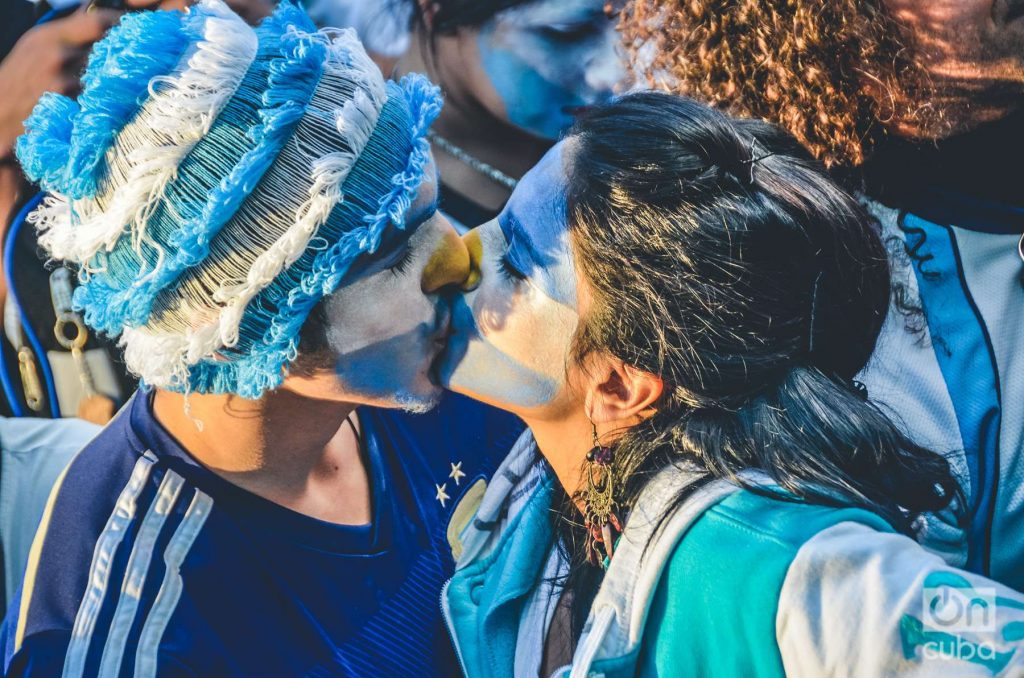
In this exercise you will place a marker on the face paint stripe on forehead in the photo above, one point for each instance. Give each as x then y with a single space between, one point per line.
536 231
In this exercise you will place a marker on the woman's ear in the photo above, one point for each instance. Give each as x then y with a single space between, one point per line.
619 394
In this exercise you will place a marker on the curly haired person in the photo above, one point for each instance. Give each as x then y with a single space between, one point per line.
917 104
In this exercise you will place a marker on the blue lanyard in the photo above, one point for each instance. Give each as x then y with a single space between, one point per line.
30 334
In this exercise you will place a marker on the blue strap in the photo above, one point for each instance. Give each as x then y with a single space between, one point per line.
30 334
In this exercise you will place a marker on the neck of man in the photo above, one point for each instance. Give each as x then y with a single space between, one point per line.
983 163
467 124
293 450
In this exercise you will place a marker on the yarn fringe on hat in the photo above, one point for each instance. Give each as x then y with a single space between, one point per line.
213 183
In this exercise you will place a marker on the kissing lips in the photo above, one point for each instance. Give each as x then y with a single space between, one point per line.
443 329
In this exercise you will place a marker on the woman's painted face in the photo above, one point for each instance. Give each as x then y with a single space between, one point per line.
511 335
387 322
549 58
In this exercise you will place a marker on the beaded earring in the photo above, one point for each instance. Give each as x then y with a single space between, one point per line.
600 510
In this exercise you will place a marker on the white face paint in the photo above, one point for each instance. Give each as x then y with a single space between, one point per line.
387 322
512 334
548 59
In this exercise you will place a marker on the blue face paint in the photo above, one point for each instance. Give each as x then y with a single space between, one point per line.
383 330
549 58
534 225
511 335
393 370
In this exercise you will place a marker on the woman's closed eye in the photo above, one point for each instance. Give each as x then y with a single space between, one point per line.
509 270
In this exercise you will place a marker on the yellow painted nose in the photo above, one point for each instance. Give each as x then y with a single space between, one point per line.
448 265
475 248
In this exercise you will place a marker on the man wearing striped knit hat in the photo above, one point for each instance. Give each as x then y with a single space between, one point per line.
253 213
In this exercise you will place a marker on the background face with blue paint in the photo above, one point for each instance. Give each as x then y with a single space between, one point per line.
546 60
382 329
512 332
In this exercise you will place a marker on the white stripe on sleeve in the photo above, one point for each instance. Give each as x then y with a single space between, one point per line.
858 602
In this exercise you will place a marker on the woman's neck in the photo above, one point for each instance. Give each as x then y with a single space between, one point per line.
465 123
564 444
292 450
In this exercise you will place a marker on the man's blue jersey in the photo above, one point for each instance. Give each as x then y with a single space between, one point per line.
147 562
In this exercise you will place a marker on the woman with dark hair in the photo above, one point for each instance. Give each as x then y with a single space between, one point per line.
919 104
514 73
676 303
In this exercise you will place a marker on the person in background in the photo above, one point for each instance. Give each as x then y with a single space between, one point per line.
382 26
920 105
515 74
256 212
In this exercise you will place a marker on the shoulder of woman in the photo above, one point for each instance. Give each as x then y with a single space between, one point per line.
772 588
724 581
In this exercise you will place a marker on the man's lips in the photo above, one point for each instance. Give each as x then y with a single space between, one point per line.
443 329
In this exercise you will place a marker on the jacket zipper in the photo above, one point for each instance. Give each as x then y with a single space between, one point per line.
446 612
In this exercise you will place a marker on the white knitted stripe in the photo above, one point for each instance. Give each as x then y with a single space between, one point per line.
163 358
329 172
355 122
146 154
158 358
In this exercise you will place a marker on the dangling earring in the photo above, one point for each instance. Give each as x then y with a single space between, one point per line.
600 511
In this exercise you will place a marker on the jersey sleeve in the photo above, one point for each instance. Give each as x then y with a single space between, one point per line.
879 604
98 492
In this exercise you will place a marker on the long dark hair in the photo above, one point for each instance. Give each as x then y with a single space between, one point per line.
722 258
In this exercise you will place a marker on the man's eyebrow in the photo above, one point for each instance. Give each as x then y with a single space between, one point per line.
415 218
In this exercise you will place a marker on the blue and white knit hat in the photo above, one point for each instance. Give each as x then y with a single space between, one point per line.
214 182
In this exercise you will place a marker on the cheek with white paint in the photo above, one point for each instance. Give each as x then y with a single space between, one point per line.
511 340
383 332
549 58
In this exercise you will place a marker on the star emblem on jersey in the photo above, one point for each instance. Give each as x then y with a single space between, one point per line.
457 472
442 495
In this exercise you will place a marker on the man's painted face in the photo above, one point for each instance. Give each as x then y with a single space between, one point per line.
387 322
549 58
511 335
